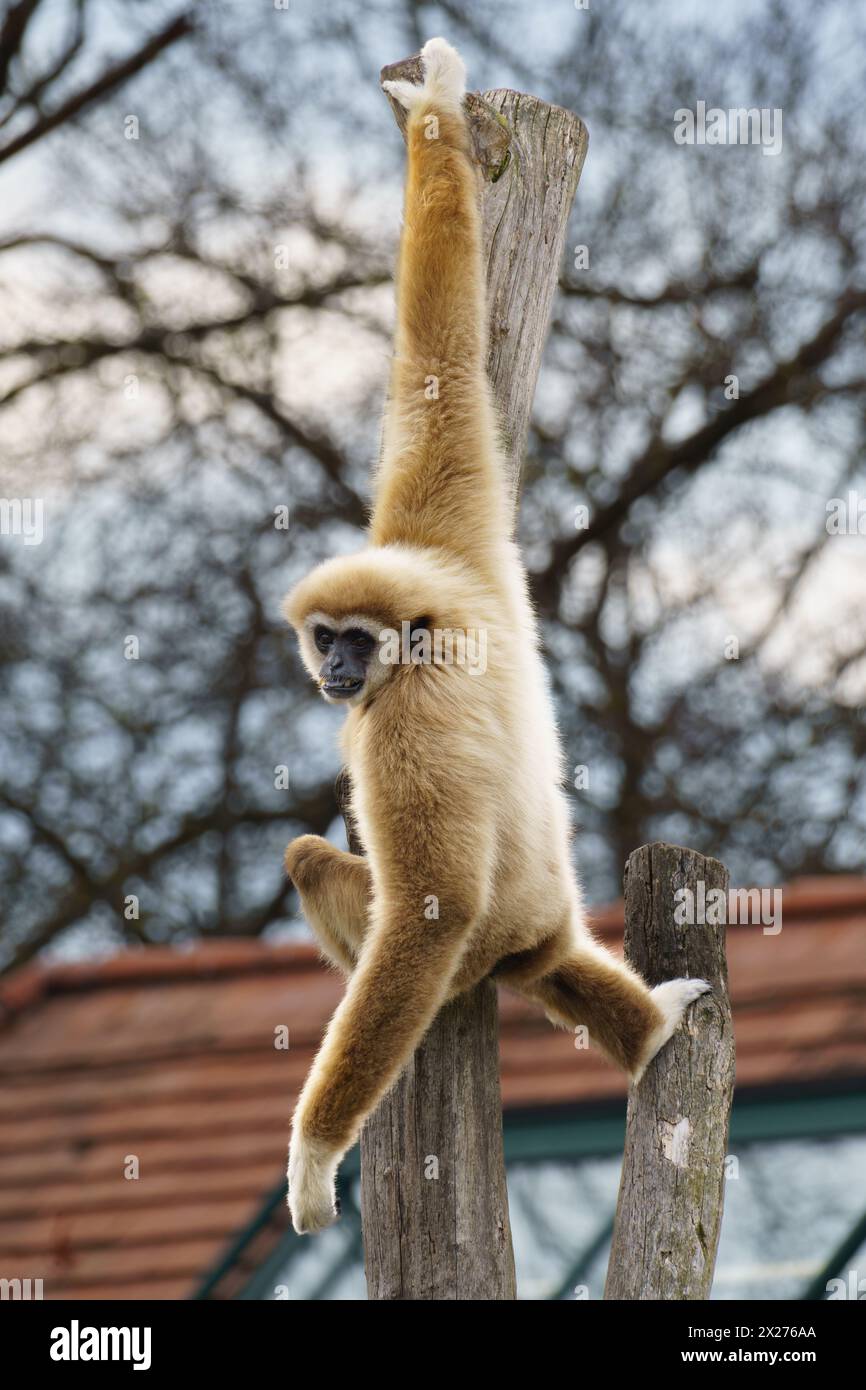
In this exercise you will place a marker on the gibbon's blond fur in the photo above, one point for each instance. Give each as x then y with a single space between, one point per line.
456 776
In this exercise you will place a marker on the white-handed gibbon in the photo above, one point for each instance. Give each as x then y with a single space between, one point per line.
456 773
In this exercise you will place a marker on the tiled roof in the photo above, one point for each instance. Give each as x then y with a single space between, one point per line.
168 1057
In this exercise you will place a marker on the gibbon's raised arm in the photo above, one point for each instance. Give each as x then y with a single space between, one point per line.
441 480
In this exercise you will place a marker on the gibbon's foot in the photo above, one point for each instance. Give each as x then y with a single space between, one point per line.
312 1193
303 856
444 79
672 998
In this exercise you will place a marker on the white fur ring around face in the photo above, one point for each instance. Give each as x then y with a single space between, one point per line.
444 79
312 1191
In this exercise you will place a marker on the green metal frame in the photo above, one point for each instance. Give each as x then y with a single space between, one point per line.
572 1133
835 1266
290 1243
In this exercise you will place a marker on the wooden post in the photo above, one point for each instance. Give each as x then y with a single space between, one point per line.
671 1195
433 1194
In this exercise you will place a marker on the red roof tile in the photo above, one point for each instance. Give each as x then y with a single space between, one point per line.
168 1056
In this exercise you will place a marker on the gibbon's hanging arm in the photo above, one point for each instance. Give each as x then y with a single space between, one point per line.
530 155
434 1200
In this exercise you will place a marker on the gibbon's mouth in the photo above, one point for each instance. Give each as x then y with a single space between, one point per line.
342 689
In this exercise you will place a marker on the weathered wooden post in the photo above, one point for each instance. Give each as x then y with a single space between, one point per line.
671 1194
433 1194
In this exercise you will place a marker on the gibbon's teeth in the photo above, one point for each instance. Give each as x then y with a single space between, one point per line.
345 685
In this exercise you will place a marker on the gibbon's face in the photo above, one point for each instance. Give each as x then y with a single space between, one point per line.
343 673
348 655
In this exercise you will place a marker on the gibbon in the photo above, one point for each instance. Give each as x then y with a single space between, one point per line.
456 773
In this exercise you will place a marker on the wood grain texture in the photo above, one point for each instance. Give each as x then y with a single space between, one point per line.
525 223
434 1204
448 1236
671 1196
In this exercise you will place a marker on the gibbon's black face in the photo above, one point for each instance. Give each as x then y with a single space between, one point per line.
347 655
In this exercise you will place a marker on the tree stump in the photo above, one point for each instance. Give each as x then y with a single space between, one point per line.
672 1189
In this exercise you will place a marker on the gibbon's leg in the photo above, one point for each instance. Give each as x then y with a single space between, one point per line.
400 984
624 1017
335 890
440 479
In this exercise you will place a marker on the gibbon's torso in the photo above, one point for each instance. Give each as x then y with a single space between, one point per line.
476 741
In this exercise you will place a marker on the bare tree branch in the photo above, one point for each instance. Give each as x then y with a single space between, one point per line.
110 80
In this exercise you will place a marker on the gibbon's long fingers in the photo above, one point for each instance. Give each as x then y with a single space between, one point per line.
400 984
440 480
335 890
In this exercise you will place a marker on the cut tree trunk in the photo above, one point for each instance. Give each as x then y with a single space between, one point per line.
672 1189
433 1194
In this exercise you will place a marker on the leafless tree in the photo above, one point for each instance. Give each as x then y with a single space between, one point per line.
195 263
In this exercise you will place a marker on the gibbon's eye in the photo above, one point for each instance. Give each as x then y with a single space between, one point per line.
360 640
324 638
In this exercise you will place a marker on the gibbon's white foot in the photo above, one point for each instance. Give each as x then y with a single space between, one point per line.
673 998
444 78
312 1190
